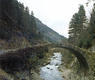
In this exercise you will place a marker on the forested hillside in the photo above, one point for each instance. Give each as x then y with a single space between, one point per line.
18 25
16 20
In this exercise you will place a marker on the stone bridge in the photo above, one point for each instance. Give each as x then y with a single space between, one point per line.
19 60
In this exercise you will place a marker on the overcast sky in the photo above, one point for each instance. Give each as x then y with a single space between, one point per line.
56 14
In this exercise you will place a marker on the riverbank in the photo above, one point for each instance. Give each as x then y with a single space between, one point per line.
23 63
71 69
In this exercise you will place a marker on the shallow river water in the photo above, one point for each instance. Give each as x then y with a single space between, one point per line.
50 71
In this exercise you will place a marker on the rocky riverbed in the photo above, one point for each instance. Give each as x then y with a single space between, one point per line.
51 71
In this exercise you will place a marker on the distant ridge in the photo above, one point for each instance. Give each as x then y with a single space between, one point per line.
49 34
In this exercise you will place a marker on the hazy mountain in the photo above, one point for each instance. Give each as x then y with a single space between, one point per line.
48 34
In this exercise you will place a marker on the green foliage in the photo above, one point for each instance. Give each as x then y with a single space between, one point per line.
82 33
88 35
16 17
92 23
85 39
77 27
73 28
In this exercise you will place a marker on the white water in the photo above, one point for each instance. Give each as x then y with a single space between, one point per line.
50 71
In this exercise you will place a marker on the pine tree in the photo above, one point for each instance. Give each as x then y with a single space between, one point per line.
82 18
92 23
77 26
73 28
33 24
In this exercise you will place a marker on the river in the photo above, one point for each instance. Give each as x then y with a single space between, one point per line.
50 71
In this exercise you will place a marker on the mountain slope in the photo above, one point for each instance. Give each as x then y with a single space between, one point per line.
48 34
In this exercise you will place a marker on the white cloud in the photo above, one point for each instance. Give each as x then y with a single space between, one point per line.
54 13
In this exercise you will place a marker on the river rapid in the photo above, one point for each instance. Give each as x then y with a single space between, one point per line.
50 71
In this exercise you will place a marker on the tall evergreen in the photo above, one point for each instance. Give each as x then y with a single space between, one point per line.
92 23
73 28
87 36
77 26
